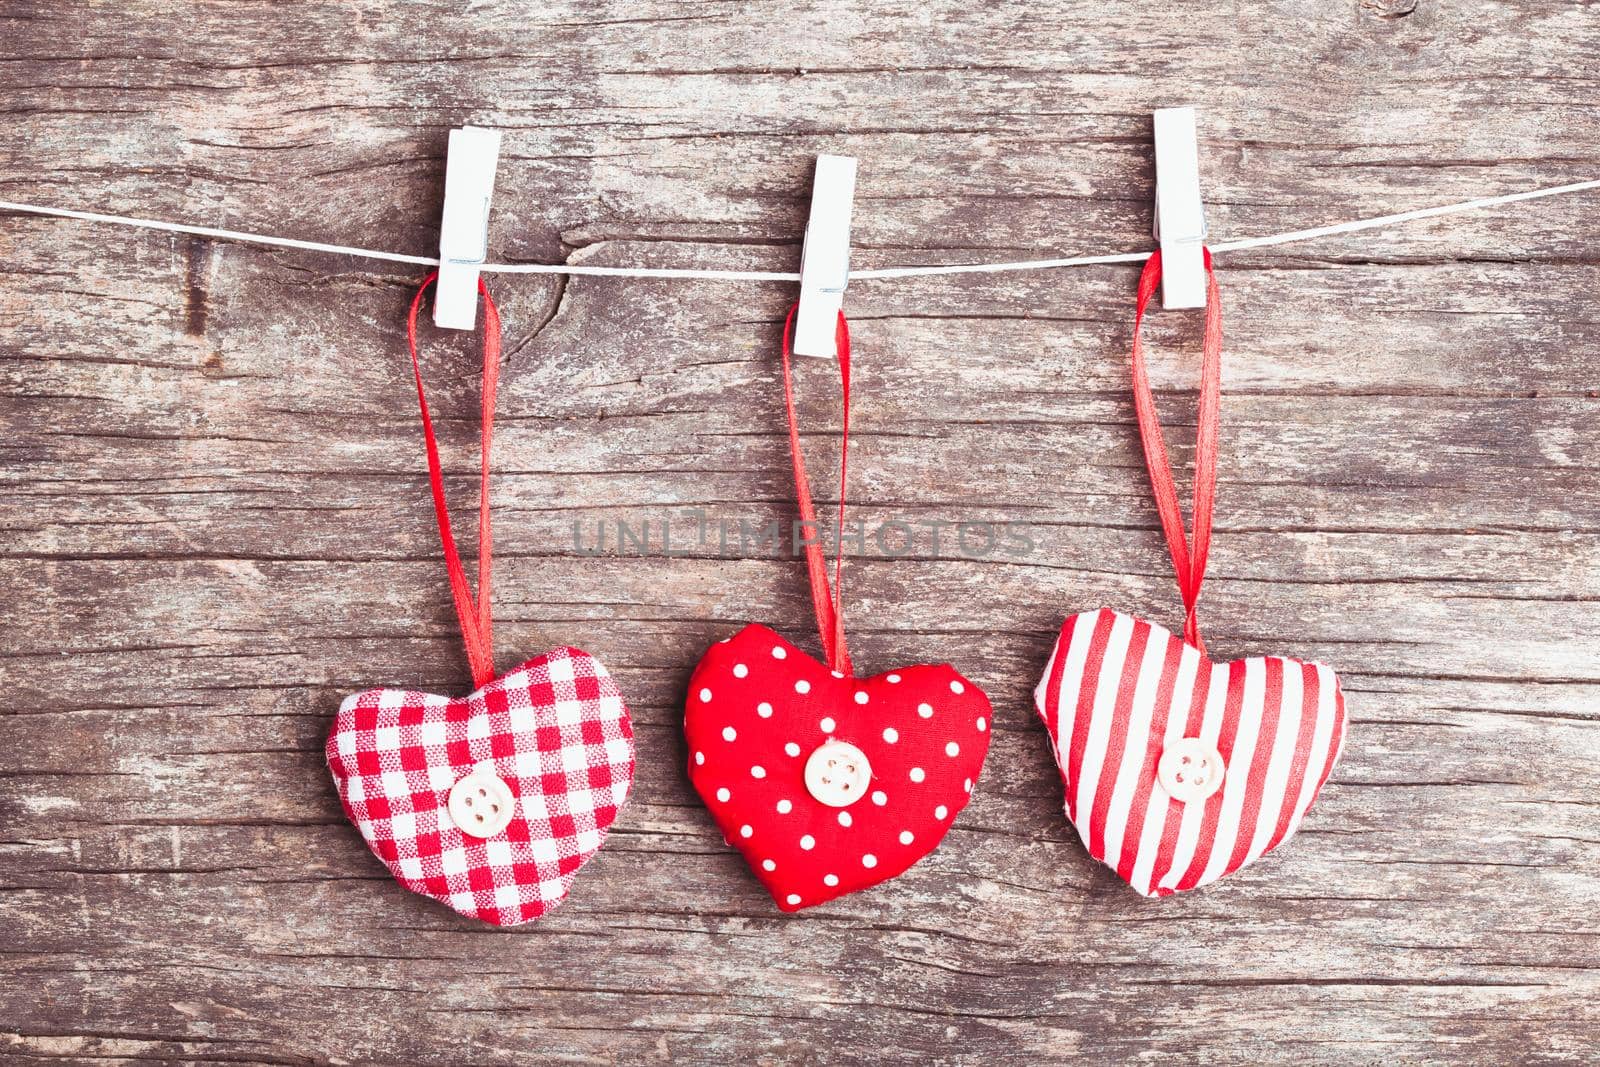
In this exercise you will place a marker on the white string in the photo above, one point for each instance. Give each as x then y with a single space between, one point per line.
791 276
1404 216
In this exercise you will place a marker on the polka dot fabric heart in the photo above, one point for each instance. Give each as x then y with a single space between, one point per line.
1120 693
828 783
555 731
759 708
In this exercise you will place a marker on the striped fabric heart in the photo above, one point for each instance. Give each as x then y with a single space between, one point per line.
1179 770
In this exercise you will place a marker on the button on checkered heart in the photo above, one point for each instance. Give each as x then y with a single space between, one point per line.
1136 718
553 734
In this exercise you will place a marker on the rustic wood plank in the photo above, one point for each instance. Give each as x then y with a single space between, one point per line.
213 529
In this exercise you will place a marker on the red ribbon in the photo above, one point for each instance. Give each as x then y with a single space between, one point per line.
1189 562
825 602
473 613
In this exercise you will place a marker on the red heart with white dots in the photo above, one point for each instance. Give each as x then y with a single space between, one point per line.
1179 770
488 803
892 759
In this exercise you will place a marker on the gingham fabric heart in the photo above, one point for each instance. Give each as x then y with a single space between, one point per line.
1120 693
555 731
759 708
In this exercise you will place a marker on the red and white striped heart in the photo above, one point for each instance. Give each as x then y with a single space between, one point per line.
1179 770
491 802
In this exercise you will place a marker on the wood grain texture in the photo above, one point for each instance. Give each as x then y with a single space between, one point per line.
213 522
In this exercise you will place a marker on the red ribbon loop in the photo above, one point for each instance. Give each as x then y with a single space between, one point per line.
1189 562
825 602
473 613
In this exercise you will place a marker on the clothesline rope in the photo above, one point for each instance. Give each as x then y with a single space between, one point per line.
875 274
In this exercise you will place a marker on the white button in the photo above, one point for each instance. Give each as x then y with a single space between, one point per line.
1190 770
481 804
837 773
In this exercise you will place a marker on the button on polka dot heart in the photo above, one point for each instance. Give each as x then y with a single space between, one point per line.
837 784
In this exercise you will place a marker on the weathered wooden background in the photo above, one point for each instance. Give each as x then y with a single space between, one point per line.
214 526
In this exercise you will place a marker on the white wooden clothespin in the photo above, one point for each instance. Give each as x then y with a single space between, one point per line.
825 257
1180 215
464 233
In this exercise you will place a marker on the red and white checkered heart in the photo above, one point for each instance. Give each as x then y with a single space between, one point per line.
1179 770
829 784
491 802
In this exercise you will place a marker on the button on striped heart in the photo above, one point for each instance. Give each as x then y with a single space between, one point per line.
1119 692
